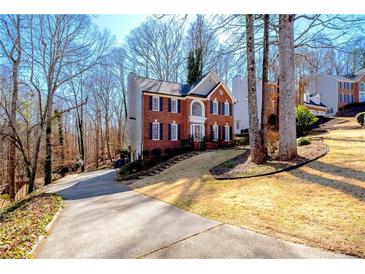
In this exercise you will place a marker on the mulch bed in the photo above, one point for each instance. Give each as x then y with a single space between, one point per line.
242 167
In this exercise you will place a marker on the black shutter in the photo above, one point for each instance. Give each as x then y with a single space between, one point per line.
220 132
169 104
169 131
150 102
219 107
223 107
150 131
178 105
179 132
161 131
223 133
211 133
161 104
230 109
211 107
230 133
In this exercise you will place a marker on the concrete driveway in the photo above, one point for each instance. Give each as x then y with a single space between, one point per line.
104 219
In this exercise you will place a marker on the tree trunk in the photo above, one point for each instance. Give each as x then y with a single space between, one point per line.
13 111
265 72
255 143
97 138
48 158
287 127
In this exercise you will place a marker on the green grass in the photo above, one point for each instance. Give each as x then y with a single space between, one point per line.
24 222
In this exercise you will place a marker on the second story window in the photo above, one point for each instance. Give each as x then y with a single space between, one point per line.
226 109
362 86
196 109
215 107
155 103
173 105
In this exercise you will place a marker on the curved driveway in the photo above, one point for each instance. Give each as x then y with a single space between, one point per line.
104 219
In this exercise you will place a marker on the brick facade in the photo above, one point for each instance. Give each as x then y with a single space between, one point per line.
165 117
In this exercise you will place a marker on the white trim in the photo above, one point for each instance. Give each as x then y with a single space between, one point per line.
158 131
230 94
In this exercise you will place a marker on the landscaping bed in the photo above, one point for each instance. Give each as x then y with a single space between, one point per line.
24 222
241 166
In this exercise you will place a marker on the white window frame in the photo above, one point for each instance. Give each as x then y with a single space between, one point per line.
227 134
215 133
158 103
158 131
172 110
226 109
174 128
215 105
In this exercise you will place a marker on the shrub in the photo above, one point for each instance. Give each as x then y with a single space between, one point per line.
146 153
124 153
303 141
149 163
241 141
203 144
169 152
360 117
156 153
304 119
185 145
136 165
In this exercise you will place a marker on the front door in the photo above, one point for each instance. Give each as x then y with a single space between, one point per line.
196 130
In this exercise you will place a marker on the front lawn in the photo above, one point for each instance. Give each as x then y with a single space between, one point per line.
24 222
321 204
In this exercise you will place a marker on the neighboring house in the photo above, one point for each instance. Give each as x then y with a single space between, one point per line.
338 91
314 104
240 92
161 113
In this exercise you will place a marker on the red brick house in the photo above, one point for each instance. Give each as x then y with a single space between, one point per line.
161 113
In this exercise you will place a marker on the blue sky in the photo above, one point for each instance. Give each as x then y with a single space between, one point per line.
119 25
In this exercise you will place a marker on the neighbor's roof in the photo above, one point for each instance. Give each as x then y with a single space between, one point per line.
349 78
314 104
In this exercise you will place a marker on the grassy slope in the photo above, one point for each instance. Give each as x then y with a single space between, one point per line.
321 204
24 222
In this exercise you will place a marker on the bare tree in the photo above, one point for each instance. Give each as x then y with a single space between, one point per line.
11 46
287 128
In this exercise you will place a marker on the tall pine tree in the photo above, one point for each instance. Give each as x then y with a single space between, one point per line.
195 65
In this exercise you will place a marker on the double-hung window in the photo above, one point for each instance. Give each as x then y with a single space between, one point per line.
173 132
155 131
215 132
226 109
226 133
215 107
155 103
362 86
174 105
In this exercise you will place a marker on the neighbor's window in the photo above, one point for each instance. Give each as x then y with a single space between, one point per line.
215 107
173 105
237 125
196 109
155 131
362 86
226 133
173 132
155 104
215 132
226 109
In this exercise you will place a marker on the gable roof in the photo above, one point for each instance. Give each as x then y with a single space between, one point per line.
177 89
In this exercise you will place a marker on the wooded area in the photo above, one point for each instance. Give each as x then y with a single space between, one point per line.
63 81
